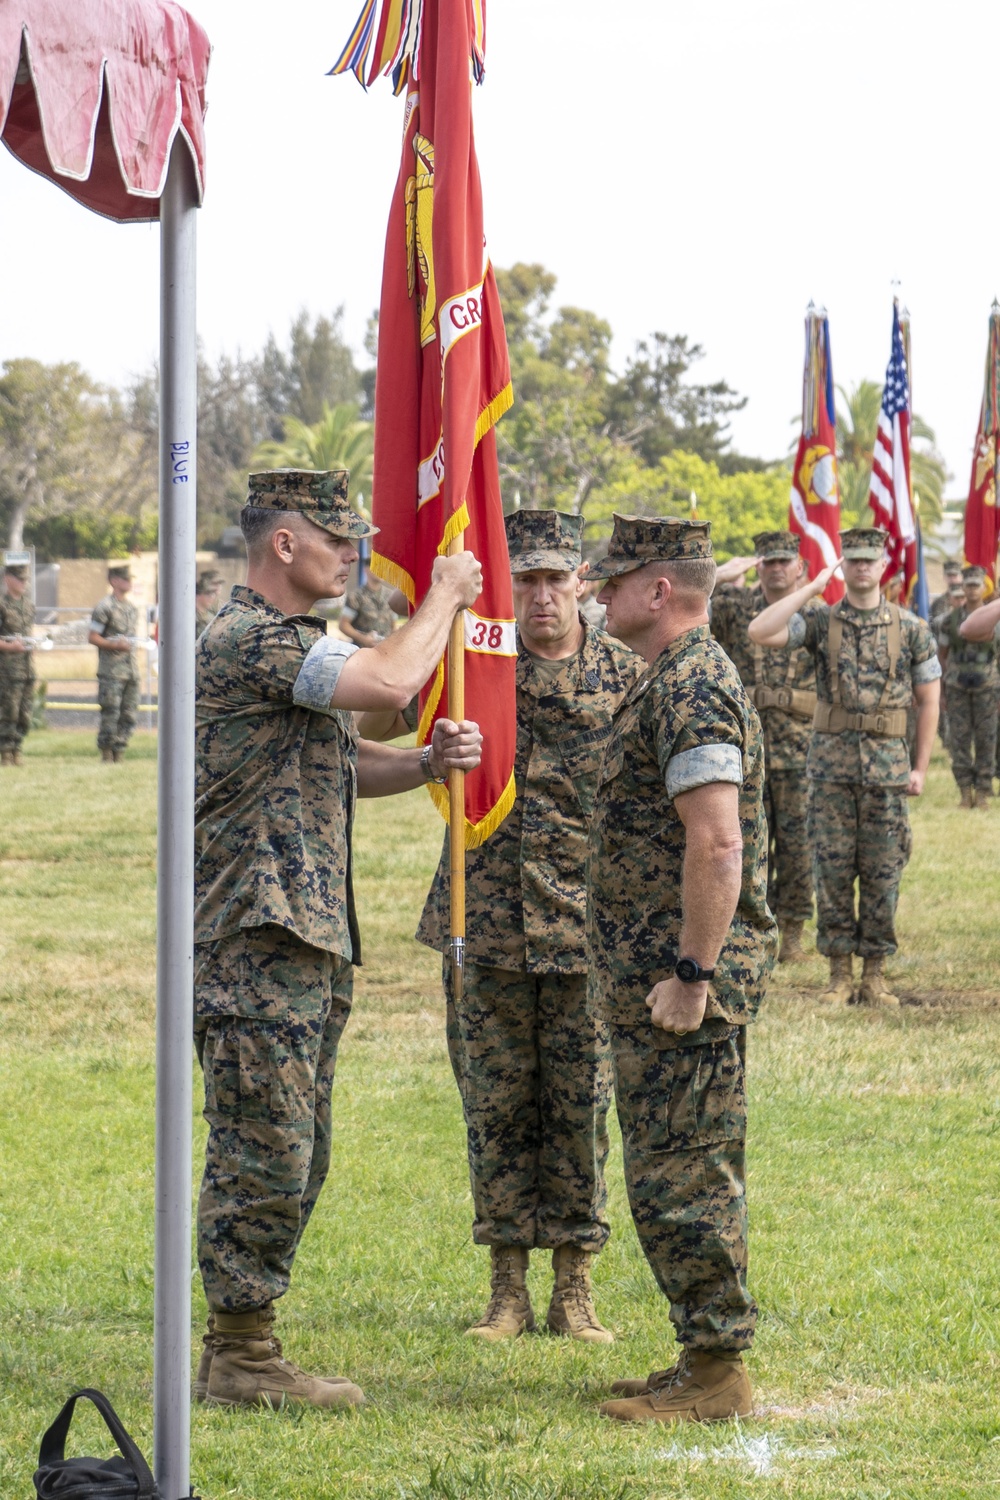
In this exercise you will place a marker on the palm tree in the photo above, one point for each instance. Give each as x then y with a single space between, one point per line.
857 424
337 441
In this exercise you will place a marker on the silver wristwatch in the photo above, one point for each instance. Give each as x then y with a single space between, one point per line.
425 767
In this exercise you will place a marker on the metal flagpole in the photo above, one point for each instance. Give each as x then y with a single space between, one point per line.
175 821
456 792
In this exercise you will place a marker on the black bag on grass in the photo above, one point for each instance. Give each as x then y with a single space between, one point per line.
61 1478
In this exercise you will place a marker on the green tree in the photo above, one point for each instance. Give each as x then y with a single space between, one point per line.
339 440
316 371
738 505
66 444
857 426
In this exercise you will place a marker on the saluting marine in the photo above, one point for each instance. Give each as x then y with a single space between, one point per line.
872 659
971 690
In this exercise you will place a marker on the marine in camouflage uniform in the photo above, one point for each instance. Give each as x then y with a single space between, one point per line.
17 670
782 687
530 1057
972 688
278 769
942 605
114 620
365 615
206 601
685 727
859 767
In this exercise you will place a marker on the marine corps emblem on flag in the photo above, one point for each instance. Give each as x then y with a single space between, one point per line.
443 376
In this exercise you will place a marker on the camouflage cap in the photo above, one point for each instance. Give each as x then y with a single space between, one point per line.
776 544
952 568
638 540
545 539
863 542
120 570
955 590
973 574
16 570
207 581
320 496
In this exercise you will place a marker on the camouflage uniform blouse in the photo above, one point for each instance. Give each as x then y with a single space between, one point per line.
686 723
367 609
526 898
275 778
114 617
853 755
970 664
17 617
786 736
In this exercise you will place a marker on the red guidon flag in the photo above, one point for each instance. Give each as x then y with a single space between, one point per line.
814 512
982 515
443 376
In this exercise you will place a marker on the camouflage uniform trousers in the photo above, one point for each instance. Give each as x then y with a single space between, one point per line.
789 860
119 701
17 694
972 724
532 1066
683 1116
269 1014
858 833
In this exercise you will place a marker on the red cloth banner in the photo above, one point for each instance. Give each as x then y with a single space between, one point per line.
442 382
814 512
982 518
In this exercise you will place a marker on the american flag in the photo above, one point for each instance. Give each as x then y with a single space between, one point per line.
889 493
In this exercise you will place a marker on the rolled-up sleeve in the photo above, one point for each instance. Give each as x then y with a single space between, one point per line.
320 673
701 766
796 630
925 671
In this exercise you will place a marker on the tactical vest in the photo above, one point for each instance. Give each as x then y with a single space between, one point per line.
795 701
833 718
963 653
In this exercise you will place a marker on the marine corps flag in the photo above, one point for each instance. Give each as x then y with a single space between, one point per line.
982 519
443 377
814 514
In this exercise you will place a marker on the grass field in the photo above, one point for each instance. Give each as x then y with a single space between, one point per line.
874 1178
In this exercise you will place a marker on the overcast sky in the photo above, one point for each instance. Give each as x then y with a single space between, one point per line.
693 168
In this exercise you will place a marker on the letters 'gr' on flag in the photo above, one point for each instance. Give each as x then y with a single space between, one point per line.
814 513
443 374
982 518
889 492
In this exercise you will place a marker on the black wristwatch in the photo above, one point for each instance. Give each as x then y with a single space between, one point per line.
690 972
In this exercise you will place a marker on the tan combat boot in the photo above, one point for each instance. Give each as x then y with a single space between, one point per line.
199 1387
508 1312
17 758
571 1310
874 990
117 756
792 951
840 990
968 797
107 756
247 1368
704 1386
6 757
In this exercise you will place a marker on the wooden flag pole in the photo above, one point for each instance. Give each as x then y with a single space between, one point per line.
456 791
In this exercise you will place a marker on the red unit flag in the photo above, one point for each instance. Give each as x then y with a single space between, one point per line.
814 513
443 376
982 519
889 493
